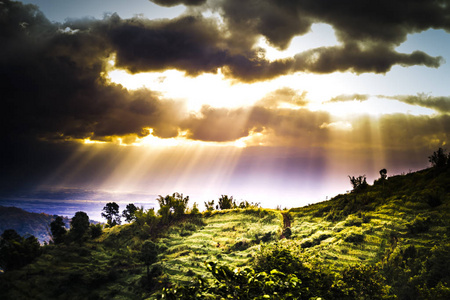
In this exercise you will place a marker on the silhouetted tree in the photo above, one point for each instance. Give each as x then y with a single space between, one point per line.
17 251
179 204
439 158
58 230
209 205
172 206
383 174
226 202
130 212
111 214
79 225
359 183
148 255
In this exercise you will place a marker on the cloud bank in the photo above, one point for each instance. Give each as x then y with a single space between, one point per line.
54 88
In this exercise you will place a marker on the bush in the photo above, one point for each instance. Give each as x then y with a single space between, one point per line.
241 245
96 230
307 244
419 225
355 238
287 232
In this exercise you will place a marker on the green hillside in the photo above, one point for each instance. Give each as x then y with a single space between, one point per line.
389 240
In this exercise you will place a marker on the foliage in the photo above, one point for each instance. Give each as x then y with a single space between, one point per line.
195 210
363 245
146 221
209 205
238 284
355 238
362 282
439 158
358 183
419 224
172 207
129 213
148 255
225 202
287 232
420 273
96 230
17 251
58 230
79 226
111 214
383 174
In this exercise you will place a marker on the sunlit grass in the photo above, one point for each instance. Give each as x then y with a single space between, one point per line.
229 237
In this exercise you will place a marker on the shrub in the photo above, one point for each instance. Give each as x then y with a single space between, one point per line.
307 244
287 232
352 221
241 245
355 238
419 225
96 230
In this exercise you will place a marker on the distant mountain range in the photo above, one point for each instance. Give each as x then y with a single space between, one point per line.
24 222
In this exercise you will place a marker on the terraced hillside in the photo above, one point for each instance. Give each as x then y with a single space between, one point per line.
230 237
390 240
366 227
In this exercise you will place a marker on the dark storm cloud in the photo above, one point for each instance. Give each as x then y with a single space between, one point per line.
193 44
357 59
368 31
178 2
189 43
52 88
440 104
363 21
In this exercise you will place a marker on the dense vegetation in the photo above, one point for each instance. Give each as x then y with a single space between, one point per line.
389 240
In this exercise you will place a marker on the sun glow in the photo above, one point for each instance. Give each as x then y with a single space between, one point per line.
211 89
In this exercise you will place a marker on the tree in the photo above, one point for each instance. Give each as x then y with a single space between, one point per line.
172 206
96 230
209 205
383 174
17 251
195 210
179 204
149 255
226 202
359 183
111 214
439 158
130 212
146 220
58 230
79 225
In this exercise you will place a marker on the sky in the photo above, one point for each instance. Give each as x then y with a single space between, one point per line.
274 102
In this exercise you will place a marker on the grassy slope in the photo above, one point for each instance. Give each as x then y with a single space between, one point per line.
229 237
365 227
